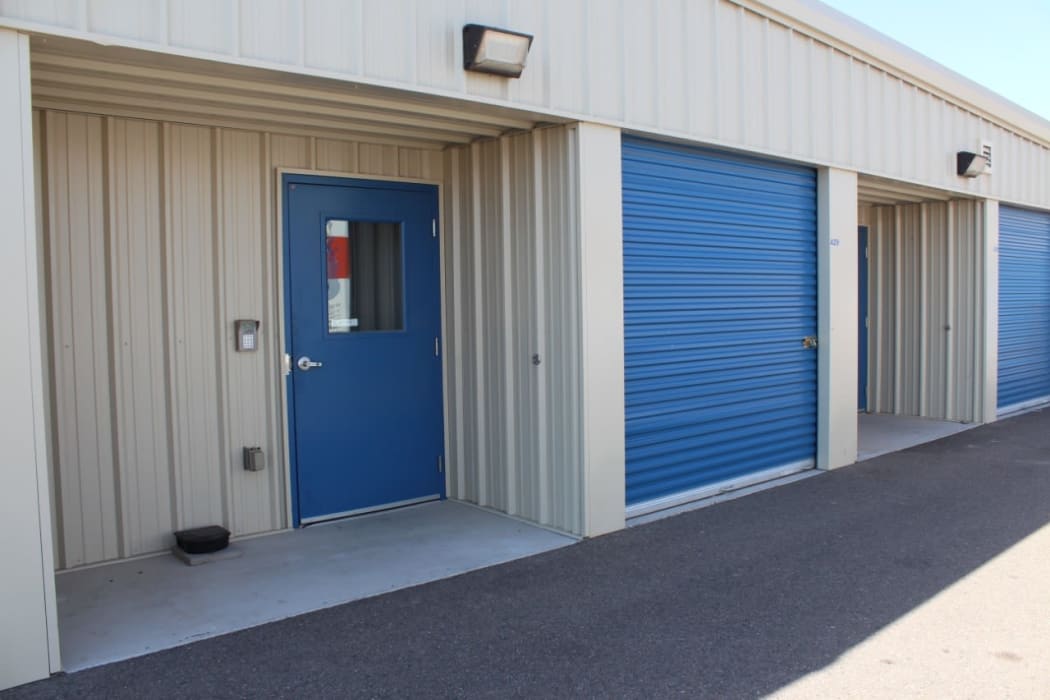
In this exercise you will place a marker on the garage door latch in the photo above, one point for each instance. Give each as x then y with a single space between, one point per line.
809 342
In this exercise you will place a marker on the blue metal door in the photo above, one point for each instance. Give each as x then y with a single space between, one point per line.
1024 307
720 292
862 318
363 320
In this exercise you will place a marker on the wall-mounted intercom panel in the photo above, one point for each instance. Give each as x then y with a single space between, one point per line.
247 334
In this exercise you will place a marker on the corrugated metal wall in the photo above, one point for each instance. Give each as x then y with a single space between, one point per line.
158 236
925 306
738 74
511 293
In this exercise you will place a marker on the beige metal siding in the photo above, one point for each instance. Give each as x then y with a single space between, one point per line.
925 307
740 73
159 236
511 281
139 374
85 475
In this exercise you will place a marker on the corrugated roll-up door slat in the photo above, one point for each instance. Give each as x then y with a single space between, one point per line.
1024 306
720 288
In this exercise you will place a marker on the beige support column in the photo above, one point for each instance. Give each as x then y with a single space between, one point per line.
837 318
28 631
601 282
989 389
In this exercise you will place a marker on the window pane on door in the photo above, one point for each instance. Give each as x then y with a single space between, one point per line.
365 284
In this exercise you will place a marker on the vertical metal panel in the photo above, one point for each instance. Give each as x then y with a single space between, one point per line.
381 22
46 351
720 288
291 151
142 21
199 434
727 94
925 309
85 474
336 34
640 45
59 13
158 237
336 155
1024 307
529 17
203 25
140 334
271 30
753 108
511 293
604 63
378 159
247 255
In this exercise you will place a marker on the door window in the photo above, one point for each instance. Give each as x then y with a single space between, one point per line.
365 285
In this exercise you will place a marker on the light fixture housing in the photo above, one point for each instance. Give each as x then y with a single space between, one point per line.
969 164
495 51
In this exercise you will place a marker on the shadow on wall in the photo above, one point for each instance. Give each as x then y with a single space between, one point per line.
736 600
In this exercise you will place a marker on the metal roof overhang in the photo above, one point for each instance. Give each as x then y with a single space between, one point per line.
78 75
877 191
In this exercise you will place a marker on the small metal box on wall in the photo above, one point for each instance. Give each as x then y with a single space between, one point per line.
246 332
254 459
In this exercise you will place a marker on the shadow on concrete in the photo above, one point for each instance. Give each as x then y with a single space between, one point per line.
736 600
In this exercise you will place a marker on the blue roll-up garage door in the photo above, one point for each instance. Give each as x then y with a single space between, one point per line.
1024 307
720 289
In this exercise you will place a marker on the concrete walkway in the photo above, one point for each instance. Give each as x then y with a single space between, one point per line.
881 433
918 574
126 609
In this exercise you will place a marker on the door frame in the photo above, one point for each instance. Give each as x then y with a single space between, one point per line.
281 318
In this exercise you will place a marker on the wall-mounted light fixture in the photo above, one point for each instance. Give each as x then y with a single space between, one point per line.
496 51
969 164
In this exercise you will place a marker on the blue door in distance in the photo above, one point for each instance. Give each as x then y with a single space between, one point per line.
363 313
862 318
720 297
1024 307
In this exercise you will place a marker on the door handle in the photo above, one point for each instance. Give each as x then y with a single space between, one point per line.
306 364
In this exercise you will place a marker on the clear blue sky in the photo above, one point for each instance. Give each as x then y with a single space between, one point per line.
1001 44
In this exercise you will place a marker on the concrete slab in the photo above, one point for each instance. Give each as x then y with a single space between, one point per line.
882 433
126 609
231 552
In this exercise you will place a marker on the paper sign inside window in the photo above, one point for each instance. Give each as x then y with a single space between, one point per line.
337 243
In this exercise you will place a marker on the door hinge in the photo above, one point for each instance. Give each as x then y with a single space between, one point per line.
437 347
441 464
434 228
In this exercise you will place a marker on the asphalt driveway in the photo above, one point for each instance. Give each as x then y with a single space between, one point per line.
771 592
